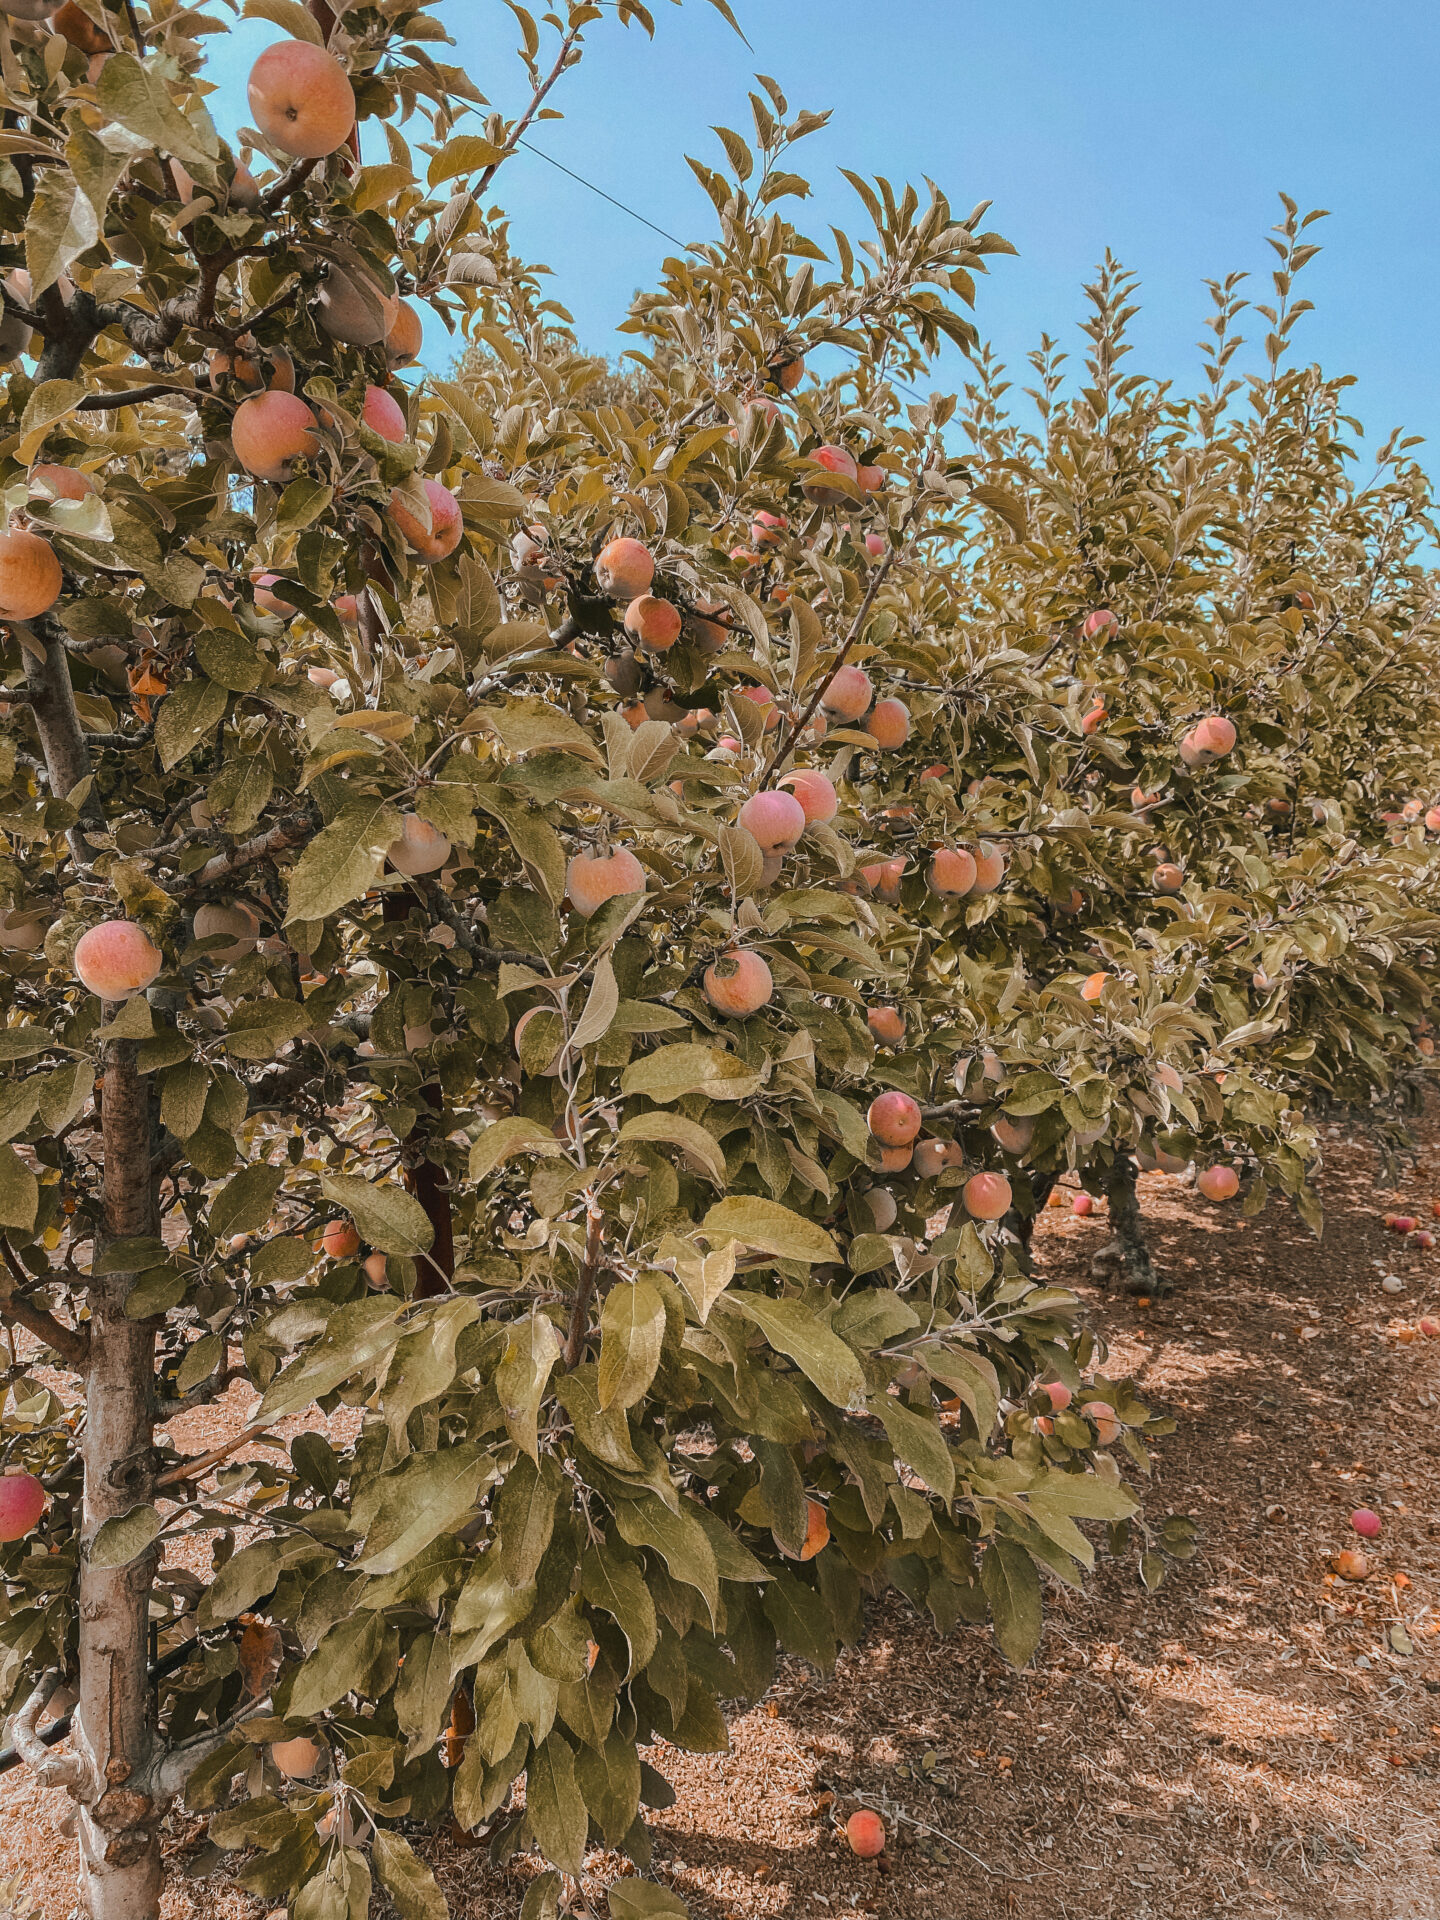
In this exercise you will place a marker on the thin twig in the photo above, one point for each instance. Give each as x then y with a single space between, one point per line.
529 114
202 1462
783 751
580 1312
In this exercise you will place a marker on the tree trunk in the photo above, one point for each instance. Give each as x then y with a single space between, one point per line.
114 1729
57 721
1127 1253
429 1184
1023 1225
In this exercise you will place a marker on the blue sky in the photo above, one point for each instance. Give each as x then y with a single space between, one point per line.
1161 131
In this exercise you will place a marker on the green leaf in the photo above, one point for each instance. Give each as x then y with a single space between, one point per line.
428 1495
531 729
249 1575
600 1007
244 1204
617 1587
140 101
917 1441
733 1558
504 1138
64 1092
803 1623
644 1900
341 1891
338 1665
793 1329
20 1043
229 659
554 1806
678 1538
632 1330
767 1227
969 1376
467 154
303 502
672 1072
742 859
19 1192
52 400
1085 1496
423 1364
531 835
609 1778
241 791
525 1516
295 19
183 1092
423 1692
521 1377
692 1140
19 1103
343 859
194 709
1012 1587
386 1216
355 1337
62 223
202 1357
125 1538
542 1897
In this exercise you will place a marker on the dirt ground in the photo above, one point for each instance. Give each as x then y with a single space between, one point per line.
1256 1738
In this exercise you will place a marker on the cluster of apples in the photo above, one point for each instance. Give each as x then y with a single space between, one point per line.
1408 1225
1053 1396
895 1120
340 1241
304 106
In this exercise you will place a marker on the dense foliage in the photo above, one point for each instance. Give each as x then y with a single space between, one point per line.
634 891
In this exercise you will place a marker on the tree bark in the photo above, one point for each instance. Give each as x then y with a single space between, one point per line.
428 1183
119 1827
1127 1252
57 721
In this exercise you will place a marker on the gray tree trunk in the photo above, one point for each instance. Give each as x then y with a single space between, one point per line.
1126 1254
119 1825
109 1772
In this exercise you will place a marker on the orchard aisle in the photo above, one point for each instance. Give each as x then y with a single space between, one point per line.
1246 1742
1216 1749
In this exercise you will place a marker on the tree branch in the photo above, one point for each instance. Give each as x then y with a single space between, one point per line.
202 1462
288 832
57 720
530 112
786 747
72 1345
133 397
46 1769
168 1773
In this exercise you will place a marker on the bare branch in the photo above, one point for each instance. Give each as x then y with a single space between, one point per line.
787 745
288 832
46 1769
562 61
72 1345
202 1462
168 1773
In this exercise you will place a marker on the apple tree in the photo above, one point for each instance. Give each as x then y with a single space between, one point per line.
486 987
